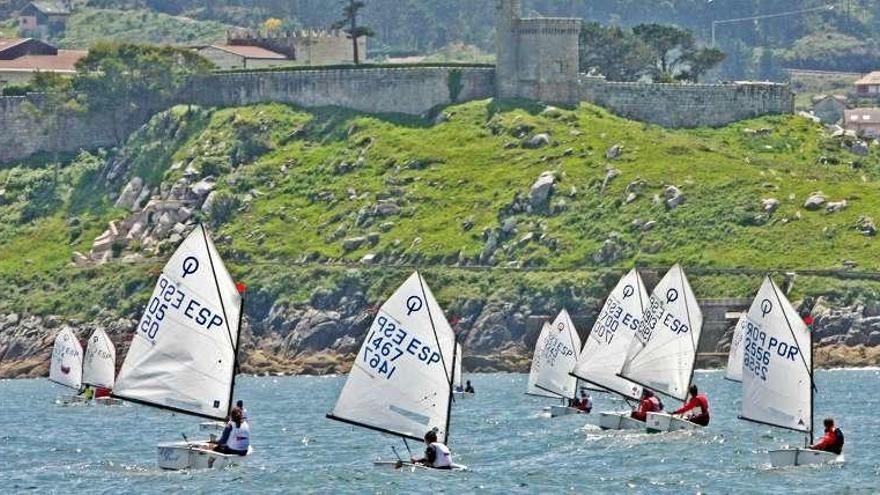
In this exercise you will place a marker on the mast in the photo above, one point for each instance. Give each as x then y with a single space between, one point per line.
449 404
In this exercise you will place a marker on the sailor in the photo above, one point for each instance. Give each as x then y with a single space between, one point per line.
236 436
244 412
101 392
649 403
469 389
585 403
697 400
437 455
88 393
833 439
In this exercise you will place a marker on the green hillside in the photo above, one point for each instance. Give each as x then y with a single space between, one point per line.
89 25
303 195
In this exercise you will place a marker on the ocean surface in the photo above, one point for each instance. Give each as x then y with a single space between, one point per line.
501 434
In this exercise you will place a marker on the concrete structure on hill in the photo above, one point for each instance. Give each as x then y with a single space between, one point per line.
21 58
227 57
42 18
302 47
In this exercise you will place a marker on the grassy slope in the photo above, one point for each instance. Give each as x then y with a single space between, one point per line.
88 25
286 157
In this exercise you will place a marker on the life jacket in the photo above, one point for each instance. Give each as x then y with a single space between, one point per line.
442 456
837 446
658 404
240 437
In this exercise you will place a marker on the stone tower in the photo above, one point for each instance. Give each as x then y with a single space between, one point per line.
537 58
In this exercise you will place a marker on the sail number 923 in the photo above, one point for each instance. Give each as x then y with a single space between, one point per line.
387 342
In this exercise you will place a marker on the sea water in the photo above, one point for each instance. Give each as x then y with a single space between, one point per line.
509 445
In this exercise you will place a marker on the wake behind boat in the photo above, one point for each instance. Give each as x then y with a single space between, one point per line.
183 354
777 374
401 381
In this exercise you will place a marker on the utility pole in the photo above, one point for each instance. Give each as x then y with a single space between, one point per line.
722 22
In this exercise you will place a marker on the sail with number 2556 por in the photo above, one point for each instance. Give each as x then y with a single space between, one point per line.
662 355
401 380
183 353
99 365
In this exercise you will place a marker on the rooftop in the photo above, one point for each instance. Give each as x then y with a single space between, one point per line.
253 52
55 8
6 43
65 61
872 78
862 115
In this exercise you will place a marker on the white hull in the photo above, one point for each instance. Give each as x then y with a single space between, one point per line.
194 455
662 422
212 426
556 411
619 421
108 401
74 400
463 395
412 466
800 457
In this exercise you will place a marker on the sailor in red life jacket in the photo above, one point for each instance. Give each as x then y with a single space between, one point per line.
585 403
437 455
101 392
833 439
649 403
697 400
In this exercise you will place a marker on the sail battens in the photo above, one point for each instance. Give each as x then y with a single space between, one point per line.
406 363
776 363
663 352
183 353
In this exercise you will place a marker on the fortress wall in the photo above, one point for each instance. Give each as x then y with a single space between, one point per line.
688 105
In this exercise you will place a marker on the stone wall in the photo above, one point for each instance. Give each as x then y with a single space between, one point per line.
688 105
24 129
381 90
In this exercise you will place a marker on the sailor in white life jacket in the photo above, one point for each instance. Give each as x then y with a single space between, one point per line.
236 436
437 455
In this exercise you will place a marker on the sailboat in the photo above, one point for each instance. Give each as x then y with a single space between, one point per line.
99 365
67 364
663 353
735 357
777 374
182 357
556 355
457 387
606 348
401 381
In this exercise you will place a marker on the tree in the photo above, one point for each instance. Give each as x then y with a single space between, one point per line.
349 24
675 54
272 24
699 62
613 52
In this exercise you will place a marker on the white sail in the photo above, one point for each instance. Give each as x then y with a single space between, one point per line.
538 363
99 365
456 379
735 357
183 352
560 353
67 360
663 352
606 348
401 380
777 363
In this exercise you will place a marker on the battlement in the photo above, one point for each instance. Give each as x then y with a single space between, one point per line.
245 36
548 26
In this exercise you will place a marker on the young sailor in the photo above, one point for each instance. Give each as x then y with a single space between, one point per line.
649 403
697 400
585 403
236 436
833 439
469 389
437 455
244 412
88 393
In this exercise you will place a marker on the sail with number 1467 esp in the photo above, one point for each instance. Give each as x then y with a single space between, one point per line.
401 380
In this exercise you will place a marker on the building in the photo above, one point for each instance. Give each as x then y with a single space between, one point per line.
21 58
243 57
869 85
44 17
829 109
864 121
303 47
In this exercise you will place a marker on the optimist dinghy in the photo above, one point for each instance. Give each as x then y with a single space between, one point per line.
458 391
777 374
401 381
67 365
556 352
606 349
663 353
99 366
183 354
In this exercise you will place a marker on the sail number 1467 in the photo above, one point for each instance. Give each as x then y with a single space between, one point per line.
387 342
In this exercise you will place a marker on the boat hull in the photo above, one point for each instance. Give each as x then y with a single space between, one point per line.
800 457
212 426
412 466
663 422
557 411
463 395
108 401
74 400
619 421
178 456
